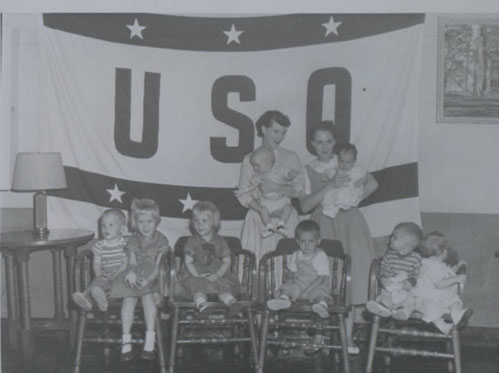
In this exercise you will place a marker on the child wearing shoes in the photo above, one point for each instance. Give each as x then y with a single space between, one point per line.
145 248
437 288
350 194
398 273
262 160
109 259
207 260
309 274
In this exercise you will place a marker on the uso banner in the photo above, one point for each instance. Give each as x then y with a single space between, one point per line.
163 107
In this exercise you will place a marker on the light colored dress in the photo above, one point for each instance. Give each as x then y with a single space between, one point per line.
435 302
207 259
347 196
348 226
146 251
251 238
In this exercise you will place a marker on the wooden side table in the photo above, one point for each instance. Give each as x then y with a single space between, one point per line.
16 248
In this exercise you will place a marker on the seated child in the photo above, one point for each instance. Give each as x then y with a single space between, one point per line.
348 195
309 275
437 287
207 259
262 160
109 259
398 272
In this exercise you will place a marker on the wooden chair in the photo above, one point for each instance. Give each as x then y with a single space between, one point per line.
279 328
400 336
105 327
187 324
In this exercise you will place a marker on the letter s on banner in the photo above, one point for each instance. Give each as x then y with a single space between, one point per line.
221 111
342 80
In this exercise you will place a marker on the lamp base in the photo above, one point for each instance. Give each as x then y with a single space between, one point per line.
40 230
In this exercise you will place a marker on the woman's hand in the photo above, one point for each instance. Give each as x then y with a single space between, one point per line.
340 180
131 279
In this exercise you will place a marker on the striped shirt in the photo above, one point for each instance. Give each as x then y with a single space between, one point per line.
112 255
393 263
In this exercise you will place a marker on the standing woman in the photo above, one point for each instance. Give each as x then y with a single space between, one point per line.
348 226
271 127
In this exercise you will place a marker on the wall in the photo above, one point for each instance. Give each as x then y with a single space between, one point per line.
458 174
458 179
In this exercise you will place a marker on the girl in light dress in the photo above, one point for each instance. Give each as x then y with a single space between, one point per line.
145 248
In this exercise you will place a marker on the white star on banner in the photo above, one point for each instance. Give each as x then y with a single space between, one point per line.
233 35
331 26
188 203
115 194
136 29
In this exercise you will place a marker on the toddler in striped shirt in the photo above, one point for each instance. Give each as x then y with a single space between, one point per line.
398 273
109 259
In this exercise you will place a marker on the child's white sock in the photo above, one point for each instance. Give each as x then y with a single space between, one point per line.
126 345
150 337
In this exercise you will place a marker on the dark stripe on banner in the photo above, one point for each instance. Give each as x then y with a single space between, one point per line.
394 183
228 34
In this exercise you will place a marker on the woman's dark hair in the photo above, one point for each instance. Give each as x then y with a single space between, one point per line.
268 117
327 126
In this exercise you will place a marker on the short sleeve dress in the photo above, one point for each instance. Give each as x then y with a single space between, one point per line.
146 251
207 258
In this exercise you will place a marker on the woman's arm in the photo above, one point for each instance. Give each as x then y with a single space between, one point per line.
245 185
370 186
449 281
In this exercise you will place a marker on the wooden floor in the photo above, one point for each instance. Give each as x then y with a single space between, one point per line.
56 358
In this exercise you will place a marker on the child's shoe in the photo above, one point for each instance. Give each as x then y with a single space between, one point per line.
278 304
320 309
206 307
460 317
235 307
82 301
281 229
400 314
268 231
100 297
378 309
443 326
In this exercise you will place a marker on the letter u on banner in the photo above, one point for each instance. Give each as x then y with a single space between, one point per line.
122 111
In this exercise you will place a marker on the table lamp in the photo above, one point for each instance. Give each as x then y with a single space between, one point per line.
39 172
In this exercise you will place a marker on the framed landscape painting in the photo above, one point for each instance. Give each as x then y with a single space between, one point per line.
468 70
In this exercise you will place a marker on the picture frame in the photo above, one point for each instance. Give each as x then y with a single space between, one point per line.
468 70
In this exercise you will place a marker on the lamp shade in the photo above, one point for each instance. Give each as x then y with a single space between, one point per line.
38 171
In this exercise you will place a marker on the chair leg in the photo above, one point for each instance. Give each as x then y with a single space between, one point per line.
372 343
173 340
344 342
80 331
457 350
449 350
254 343
161 347
263 340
